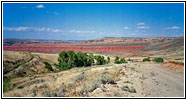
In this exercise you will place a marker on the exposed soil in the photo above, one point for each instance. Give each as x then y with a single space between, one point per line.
179 67
55 49
149 80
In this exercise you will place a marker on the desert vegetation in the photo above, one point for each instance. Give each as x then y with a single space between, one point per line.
71 59
6 84
146 59
119 61
160 60
84 79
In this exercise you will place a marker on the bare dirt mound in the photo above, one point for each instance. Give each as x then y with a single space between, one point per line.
176 66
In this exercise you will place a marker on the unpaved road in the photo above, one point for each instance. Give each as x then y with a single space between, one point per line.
149 80
161 82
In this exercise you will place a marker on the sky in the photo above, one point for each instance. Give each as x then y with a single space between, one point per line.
84 21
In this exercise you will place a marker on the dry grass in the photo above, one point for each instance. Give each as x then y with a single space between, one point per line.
53 58
76 82
14 56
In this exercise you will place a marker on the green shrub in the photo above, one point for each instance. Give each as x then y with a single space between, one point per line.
79 77
6 84
122 60
20 87
72 59
125 88
83 59
130 59
159 59
117 60
63 57
94 85
49 93
64 66
107 80
146 59
104 79
48 66
100 60
80 58
108 60
20 72
90 60
63 61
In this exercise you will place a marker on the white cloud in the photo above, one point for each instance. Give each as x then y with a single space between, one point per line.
40 6
42 29
16 28
46 29
126 28
56 30
78 31
140 24
37 29
143 27
172 28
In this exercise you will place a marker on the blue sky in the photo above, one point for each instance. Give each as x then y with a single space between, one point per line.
83 21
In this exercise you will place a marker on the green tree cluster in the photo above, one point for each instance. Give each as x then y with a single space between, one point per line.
71 59
146 59
119 61
159 60
100 60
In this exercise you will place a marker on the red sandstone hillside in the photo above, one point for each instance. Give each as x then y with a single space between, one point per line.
108 44
99 42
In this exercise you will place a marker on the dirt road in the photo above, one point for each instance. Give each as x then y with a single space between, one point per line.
148 79
161 82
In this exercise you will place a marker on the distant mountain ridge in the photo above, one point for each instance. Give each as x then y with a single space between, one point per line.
106 41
